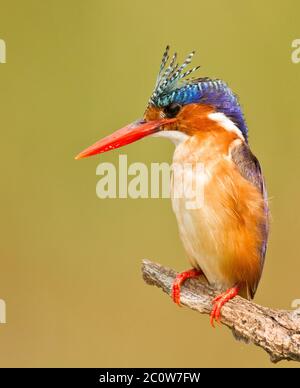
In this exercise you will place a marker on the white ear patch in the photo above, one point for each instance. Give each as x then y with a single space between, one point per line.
226 123
176 137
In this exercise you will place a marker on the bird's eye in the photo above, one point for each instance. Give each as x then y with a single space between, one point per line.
172 110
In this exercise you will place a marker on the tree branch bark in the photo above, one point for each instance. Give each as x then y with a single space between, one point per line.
276 331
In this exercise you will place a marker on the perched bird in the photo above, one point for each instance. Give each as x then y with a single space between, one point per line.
226 238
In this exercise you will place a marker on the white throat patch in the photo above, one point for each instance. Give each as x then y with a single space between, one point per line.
226 123
176 137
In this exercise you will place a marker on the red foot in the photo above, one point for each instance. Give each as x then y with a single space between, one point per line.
180 278
219 301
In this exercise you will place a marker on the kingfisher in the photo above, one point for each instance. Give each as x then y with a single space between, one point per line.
226 237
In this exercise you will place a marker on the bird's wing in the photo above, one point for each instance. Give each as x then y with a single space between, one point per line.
250 169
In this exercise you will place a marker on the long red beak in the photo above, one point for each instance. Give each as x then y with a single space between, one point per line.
126 135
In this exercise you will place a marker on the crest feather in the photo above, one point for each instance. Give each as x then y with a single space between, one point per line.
172 86
168 79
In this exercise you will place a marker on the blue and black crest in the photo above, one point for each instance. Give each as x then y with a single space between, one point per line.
172 86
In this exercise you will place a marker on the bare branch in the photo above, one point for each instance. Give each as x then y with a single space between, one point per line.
276 331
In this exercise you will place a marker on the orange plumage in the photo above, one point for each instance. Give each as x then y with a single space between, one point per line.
224 236
228 225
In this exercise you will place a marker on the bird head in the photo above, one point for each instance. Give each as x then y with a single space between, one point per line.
179 108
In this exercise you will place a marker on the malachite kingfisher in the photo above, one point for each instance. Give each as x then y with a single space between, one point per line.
226 238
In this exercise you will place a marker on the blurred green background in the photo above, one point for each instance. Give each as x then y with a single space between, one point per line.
70 262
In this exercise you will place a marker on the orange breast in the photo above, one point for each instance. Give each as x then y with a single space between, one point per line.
224 236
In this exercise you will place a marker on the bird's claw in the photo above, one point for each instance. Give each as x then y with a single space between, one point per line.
179 280
176 293
218 303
